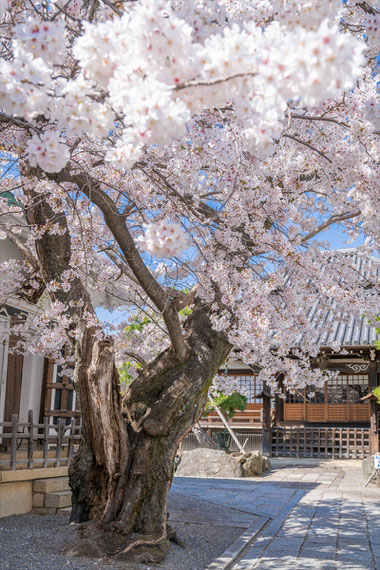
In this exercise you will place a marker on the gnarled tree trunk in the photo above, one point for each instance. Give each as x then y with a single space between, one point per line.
124 468
122 473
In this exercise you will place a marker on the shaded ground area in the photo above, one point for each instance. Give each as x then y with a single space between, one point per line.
311 514
34 542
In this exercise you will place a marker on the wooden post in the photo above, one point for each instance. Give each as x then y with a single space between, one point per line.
14 442
60 428
70 450
373 411
279 402
30 439
266 425
46 441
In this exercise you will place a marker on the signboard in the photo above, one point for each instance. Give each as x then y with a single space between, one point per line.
376 460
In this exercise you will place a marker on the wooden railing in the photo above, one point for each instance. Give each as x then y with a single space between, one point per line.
342 443
248 418
30 445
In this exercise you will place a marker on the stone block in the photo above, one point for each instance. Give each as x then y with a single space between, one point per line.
44 510
38 499
51 485
31 474
15 498
58 500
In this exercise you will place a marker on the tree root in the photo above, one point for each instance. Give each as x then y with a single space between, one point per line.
107 544
173 537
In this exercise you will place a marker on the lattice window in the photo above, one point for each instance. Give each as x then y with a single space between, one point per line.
250 386
337 390
348 388
295 398
315 395
358 387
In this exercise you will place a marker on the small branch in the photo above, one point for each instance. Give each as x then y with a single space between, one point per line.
13 238
293 138
320 118
18 122
136 357
195 83
333 220
113 7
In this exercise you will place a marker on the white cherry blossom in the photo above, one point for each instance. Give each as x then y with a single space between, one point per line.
48 151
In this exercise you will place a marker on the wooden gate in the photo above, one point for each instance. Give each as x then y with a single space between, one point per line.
313 441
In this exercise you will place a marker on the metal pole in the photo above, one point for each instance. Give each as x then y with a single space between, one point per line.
241 449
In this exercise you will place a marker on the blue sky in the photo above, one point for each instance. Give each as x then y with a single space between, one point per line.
334 235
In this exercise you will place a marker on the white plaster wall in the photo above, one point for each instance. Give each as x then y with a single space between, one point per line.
8 251
31 387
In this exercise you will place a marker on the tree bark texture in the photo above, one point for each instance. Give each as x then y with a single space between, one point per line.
203 439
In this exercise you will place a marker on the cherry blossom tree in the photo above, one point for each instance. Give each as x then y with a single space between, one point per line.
181 159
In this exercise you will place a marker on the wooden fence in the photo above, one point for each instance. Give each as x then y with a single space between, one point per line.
337 443
252 441
30 445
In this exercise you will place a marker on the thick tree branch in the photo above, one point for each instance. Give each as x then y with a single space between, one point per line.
116 223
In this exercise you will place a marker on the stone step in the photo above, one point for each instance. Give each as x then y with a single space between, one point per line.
64 511
51 485
44 511
58 500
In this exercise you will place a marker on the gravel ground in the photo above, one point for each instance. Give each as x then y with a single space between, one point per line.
35 542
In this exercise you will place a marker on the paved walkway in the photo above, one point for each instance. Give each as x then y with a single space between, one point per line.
305 513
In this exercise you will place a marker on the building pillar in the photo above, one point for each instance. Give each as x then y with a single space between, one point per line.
267 428
279 403
374 409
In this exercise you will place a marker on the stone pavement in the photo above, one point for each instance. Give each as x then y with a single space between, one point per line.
305 514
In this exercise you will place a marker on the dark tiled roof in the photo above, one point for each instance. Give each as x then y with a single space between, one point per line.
351 331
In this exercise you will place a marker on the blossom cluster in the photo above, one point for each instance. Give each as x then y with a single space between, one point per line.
258 71
163 239
41 39
47 151
150 69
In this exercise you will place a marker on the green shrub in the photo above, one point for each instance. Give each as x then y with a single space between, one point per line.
228 404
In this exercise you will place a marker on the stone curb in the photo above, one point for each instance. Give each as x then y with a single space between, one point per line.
229 557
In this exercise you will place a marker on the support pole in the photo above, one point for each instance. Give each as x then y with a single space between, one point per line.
218 411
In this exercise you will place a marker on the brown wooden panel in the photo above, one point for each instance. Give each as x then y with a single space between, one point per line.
294 412
315 413
359 413
337 413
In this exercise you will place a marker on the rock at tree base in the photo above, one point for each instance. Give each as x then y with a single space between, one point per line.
255 464
203 462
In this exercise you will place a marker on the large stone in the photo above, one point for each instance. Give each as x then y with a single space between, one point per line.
255 464
204 462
